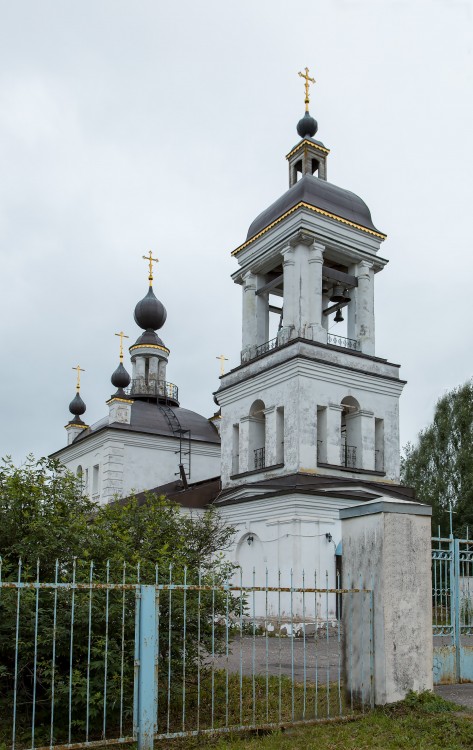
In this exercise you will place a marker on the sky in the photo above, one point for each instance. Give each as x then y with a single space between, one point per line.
130 126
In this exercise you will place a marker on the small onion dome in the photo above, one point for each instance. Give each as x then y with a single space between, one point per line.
150 312
77 407
120 378
307 126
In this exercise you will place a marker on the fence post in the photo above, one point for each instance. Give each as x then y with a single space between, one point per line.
455 594
386 545
146 712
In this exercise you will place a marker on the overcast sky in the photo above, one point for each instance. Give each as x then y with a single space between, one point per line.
129 126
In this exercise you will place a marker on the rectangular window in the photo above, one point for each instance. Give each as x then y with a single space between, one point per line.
95 479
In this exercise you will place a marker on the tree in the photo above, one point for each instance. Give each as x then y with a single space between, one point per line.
45 517
440 465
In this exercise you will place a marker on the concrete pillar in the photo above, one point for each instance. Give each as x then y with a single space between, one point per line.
255 320
74 430
271 431
244 444
334 422
289 302
316 260
365 308
360 435
119 410
153 369
387 549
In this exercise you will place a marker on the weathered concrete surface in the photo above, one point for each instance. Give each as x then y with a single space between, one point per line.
386 548
461 694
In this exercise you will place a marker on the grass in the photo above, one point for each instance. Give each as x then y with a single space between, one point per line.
423 721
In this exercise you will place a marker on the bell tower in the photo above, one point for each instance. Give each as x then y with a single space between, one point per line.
311 396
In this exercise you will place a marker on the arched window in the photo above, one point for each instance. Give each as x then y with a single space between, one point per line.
257 435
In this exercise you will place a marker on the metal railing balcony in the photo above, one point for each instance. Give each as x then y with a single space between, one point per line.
266 347
159 388
352 344
348 456
260 459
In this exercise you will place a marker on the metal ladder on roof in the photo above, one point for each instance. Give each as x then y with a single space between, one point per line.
185 443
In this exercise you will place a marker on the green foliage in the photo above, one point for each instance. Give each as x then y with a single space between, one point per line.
440 465
44 517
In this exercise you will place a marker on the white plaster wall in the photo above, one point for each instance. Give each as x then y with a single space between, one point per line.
300 385
135 462
288 534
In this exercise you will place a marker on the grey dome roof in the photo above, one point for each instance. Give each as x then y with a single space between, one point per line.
150 418
150 312
318 193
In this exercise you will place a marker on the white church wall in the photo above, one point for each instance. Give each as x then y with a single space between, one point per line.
300 386
278 535
127 462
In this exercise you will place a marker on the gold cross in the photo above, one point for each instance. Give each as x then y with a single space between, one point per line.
122 336
307 79
222 359
78 369
150 260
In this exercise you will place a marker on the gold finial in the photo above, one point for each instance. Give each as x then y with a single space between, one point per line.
222 359
307 79
122 336
78 369
150 260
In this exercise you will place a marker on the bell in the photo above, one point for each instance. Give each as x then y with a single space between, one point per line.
338 316
337 294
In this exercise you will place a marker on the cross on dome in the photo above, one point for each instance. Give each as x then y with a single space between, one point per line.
307 80
78 369
150 260
122 336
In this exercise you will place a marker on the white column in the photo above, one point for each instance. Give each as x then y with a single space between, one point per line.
316 260
249 313
365 307
360 435
244 439
289 314
270 436
387 549
334 423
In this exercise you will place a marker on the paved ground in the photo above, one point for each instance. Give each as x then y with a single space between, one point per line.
282 653
462 694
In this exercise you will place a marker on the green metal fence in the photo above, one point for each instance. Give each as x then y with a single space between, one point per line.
98 657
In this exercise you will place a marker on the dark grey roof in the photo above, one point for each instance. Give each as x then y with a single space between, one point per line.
318 193
151 418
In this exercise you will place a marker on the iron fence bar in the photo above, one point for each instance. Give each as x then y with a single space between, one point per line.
292 645
266 624
327 687
157 610
227 653
212 671
338 608
351 649
371 643
304 666
71 646
316 643
35 659
122 655
198 647
184 648
89 647
17 634
240 683
169 648
53 657
279 645
362 655
136 661
105 675
253 652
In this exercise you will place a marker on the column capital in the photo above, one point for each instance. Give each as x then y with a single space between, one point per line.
269 410
364 267
301 238
288 255
249 280
336 407
316 253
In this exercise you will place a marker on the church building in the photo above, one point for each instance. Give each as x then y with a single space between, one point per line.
309 420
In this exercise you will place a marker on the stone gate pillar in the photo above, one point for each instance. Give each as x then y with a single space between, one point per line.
387 548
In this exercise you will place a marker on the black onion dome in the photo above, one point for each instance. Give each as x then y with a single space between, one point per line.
120 378
77 406
150 312
307 126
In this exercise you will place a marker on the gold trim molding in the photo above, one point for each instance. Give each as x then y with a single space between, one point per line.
306 142
148 346
316 210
